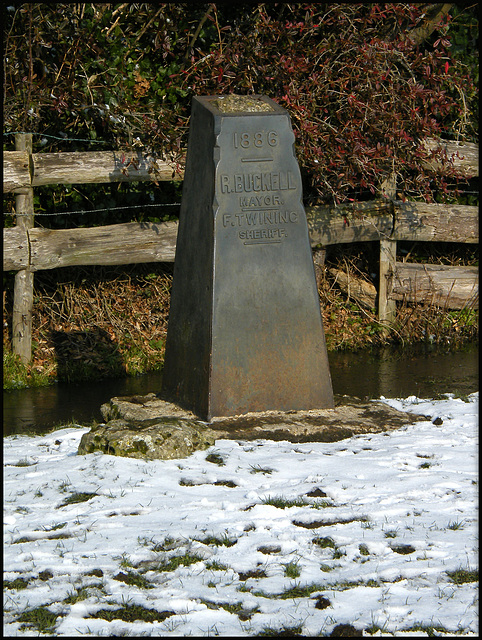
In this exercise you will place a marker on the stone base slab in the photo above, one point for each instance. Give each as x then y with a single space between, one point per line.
147 427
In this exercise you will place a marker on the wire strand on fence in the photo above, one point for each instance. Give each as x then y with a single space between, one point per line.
45 135
70 213
82 211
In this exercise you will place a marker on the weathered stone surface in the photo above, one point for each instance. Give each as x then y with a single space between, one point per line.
141 408
162 439
351 417
148 428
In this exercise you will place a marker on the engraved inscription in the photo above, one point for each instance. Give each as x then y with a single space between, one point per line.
264 220
247 182
258 205
262 236
268 200
256 218
257 139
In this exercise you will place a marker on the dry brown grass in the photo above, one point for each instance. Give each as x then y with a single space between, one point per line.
92 323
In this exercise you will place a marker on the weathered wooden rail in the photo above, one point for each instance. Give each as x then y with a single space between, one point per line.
23 169
28 249
135 242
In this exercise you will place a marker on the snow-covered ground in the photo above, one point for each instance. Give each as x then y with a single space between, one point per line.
366 532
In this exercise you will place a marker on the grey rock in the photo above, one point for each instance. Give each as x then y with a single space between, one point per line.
141 408
149 428
164 439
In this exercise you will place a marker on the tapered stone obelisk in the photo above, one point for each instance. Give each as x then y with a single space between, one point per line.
245 331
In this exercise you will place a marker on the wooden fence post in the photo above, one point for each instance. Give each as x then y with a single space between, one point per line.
388 254
23 290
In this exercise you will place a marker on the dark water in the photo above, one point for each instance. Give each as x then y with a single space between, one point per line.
393 373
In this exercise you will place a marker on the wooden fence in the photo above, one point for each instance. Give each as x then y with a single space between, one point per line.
28 248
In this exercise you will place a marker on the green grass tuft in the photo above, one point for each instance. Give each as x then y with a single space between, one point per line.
284 503
225 483
18 584
77 497
284 632
256 468
171 564
214 565
403 549
80 594
223 541
24 462
131 613
17 375
215 458
324 542
134 579
461 576
300 592
40 617
167 544
292 570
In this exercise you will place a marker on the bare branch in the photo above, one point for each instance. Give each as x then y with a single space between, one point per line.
198 31
430 23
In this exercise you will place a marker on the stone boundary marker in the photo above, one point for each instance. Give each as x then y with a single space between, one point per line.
146 427
245 330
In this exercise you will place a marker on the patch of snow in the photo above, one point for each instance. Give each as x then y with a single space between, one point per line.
400 510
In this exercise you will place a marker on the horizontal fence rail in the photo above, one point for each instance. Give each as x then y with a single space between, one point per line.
442 285
28 249
137 242
22 170
395 220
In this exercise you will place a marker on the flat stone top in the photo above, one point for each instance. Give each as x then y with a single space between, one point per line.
351 416
234 104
